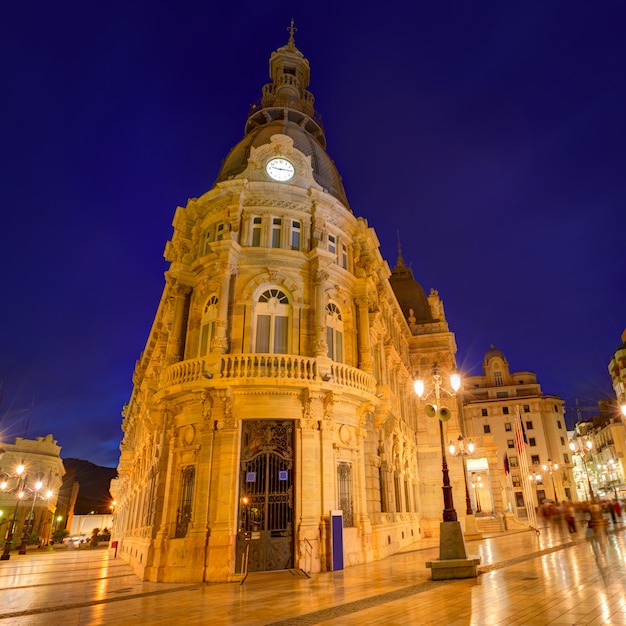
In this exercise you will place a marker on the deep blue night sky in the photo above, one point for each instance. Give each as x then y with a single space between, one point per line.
492 135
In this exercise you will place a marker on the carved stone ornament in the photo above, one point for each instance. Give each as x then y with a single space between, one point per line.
187 435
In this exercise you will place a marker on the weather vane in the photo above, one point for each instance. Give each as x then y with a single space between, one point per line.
292 31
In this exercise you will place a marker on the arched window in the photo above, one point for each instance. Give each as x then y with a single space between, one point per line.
334 332
185 500
272 313
207 325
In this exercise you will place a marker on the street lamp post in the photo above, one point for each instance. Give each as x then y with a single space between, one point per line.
453 561
477 483
19 489
36 491
465 449
551 468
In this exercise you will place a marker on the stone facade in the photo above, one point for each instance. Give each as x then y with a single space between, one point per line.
276 384
492 404
41 460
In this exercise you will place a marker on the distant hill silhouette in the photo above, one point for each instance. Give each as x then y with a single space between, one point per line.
94 481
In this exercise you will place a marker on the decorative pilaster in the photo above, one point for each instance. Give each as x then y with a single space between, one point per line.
220 341
320 346
365 349
176 340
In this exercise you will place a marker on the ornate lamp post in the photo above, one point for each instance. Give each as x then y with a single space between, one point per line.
19 490
465 448
477 483
582 450
453 561
551 468
36 494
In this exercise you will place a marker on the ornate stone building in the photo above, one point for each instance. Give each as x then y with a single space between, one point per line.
43 472
276 383
492 404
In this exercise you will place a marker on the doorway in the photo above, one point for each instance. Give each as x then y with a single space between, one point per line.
265 517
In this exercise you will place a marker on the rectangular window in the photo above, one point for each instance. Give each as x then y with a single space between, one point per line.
527 408
397 485
486 429
295 235
263 333
534 459
508 427
497 379
332 244
281 335
505 410
219 233
502 394
562 441
556 408
565 458
207 240
529 425
513 462
344 488
510 443
484 412
558 424
277 231
206 337
256 232
531 441
516 481
185 501
344 256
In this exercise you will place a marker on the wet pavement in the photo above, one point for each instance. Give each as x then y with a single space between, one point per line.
551 578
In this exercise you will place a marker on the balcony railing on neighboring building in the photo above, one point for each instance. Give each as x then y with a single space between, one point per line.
283 367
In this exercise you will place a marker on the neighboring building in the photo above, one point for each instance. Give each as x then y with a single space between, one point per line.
491 405
276 382
35 512
617 370
603 465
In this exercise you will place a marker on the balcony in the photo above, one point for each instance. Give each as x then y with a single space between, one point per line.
263 369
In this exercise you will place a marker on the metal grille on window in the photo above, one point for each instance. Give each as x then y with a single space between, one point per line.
398 487
183 515
345 493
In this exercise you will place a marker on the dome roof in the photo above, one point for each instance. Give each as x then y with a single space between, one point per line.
492 353
410 294
287 107
324 170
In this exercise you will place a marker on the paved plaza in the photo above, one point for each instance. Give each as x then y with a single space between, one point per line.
547 579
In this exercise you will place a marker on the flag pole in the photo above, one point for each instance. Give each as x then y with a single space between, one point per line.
520 444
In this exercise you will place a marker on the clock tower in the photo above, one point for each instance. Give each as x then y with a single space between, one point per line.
276 382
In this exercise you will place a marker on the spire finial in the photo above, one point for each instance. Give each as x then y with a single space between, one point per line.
292 31
400 262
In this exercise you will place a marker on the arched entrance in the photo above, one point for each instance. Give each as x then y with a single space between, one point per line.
265 518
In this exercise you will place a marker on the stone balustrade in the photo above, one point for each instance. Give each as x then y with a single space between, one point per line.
277 367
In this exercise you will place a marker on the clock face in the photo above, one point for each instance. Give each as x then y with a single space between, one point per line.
280 169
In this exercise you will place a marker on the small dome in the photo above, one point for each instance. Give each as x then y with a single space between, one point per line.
492 353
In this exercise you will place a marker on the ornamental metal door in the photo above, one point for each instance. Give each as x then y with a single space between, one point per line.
265 519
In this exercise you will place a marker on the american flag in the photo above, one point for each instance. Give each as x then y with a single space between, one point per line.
520 436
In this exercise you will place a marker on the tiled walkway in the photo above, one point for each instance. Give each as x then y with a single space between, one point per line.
550 579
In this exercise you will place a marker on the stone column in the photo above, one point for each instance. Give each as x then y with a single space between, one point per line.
365 349
320 346
176 339
220 341
309 474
